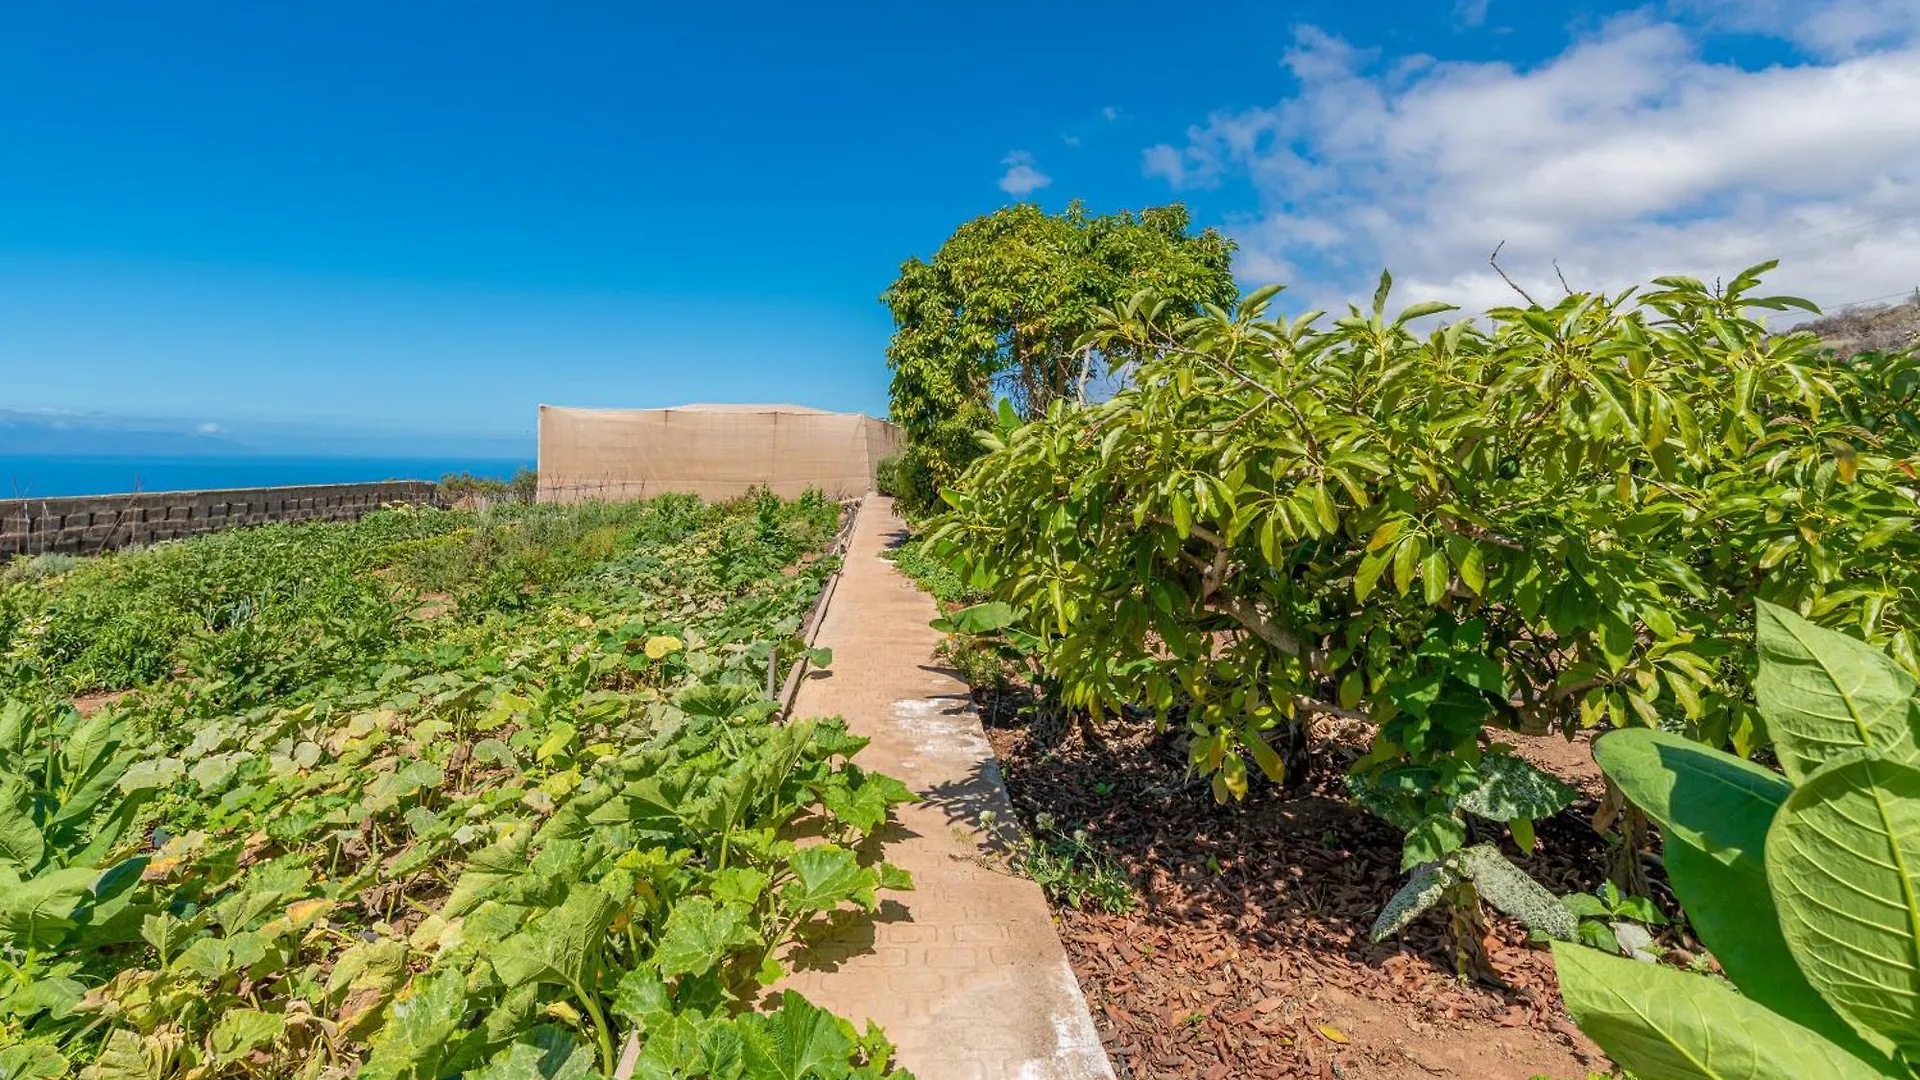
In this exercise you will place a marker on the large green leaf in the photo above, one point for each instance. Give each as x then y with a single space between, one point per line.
978 619
240 1031
21 844
39 910
1844 859
796 1042
1713 800
1714 810
699 934
1664 1024
826 875
35 1061
426 1035
1822 693
561 945
1512 788
127 1056
548 1053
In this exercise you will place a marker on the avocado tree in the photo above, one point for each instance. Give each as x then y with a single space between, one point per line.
1002 307
1560 519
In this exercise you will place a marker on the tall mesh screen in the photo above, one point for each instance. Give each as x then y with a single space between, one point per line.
713 451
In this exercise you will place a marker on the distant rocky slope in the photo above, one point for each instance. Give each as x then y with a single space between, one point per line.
1885 328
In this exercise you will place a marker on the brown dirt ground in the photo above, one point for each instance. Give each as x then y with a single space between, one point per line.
1248 956
88 704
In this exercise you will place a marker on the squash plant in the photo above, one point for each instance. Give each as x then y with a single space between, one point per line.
1806 887
1558 519
525 838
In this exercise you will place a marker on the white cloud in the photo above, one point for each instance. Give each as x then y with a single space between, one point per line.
1022 178
209 429
1471 12
1829 28
1111 112
1625 157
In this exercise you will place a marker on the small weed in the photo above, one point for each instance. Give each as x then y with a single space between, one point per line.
1066 866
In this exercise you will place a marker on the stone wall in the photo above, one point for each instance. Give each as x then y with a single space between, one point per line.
87 524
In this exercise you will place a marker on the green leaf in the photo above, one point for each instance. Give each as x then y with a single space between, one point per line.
1423 889
426 1035
1473 569
700 934
148 775
827 875
1664 1024
1714 810
1711 799
978 619
33 1061
1509 889
1368 574
1405 555
547 1053
795 1042
21 844
1843 857
1435 574
127 1056
1822 693
560 946
240 1031
39 910
1511 788
1435 836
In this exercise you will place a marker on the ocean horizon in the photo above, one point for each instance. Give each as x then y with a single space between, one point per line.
31 476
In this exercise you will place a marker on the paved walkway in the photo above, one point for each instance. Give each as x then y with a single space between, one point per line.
965 973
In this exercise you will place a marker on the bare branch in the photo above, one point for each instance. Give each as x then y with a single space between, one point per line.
1493 260
1562 276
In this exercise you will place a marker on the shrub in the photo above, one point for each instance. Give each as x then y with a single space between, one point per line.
1560 520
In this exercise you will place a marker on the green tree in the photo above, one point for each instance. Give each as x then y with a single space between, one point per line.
1001 309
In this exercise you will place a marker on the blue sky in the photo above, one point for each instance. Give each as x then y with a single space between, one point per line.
434 216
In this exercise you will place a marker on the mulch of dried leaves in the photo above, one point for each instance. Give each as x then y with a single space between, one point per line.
1252 913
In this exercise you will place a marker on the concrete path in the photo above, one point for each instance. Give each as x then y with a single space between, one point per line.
965 973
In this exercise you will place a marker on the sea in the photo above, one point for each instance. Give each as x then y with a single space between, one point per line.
30 476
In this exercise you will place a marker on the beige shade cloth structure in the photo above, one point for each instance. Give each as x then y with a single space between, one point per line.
713 451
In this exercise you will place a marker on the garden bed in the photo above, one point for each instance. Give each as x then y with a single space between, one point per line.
1248 956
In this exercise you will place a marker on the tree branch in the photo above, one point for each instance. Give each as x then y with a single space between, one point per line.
1493 260
1562 277
1250 616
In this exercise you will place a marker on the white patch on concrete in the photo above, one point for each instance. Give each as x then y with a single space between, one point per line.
1077 1053
942 728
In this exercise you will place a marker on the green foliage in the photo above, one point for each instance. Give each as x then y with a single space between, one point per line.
1613 921
1000 312
1556 519
886 475
499 846
1066 865
932 573
262 608
1803 888
522 487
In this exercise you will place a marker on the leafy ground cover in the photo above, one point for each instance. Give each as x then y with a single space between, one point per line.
434 793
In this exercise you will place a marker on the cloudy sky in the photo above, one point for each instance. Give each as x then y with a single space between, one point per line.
1656 140
432 217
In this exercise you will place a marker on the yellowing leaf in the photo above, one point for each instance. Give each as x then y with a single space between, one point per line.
1334 1034
661 646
